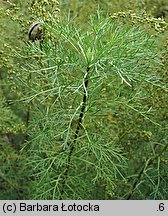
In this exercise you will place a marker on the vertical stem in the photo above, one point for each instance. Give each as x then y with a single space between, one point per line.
72 144
27 115
28 108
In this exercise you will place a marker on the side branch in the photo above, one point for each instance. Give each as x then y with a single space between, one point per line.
142 170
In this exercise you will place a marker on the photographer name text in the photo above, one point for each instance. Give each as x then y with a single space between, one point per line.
38 207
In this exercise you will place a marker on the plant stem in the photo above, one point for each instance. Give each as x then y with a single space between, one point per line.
72 144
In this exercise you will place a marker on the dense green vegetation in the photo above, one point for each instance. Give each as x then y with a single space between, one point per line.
83 111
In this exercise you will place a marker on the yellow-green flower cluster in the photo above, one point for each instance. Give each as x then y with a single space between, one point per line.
159 24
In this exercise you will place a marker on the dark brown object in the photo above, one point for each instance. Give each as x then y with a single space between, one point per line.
35 32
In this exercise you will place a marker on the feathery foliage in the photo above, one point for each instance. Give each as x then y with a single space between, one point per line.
89 109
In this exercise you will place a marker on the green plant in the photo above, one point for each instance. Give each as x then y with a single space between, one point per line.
85 87
83 111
